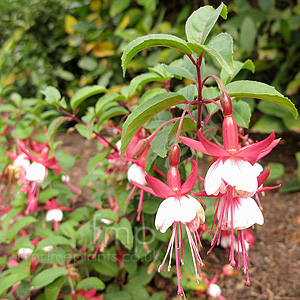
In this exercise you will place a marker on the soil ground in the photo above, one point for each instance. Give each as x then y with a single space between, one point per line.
275 257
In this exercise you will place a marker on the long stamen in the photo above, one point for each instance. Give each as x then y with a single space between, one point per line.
139 210
232 261
180 290
180 243
170 245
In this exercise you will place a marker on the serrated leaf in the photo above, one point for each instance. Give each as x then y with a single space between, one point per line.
91 283
85 93
10 280
144 113
48 194
221 48
247 34
152 40
52 95
241 113
273 109
259 90
158 296
47 276
201 22
142 79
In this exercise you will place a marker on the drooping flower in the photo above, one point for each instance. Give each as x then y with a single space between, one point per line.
177 209
36 173
54 212
234 165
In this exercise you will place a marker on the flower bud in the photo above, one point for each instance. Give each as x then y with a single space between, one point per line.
140 148
174 180
174 155
226 104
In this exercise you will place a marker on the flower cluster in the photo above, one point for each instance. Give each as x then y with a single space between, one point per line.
234 178
30 165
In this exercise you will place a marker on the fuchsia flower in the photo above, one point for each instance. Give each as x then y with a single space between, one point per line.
177 208
54 212
234 178
133 164
36 172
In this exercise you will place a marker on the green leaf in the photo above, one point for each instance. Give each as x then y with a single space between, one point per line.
117 295
47 276
290 186
152 40
53 241
106 267
67 229
221 48
259 90
23 130
87 63
112 112
272 109
84 130
266 124
137 291
52 95
158 296
10 280
238 66
91 283
124 233
52 290
107 99
186 70
118 6
48 194
247 35
201 22
145 112
105 214
142 79
95 160
19 225
85 93
276 171
241 113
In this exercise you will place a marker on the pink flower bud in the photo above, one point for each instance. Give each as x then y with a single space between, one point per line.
174 155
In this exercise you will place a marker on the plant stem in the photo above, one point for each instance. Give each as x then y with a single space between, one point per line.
200 87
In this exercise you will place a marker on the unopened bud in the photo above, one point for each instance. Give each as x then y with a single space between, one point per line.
70 130
226 104
140 148
174 155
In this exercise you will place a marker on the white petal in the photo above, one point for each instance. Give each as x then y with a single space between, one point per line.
24 253
257 168
184 209
54 215
225 241
137 174
22 161
241 175
36 172
214 290
240 248
213 180
246 214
